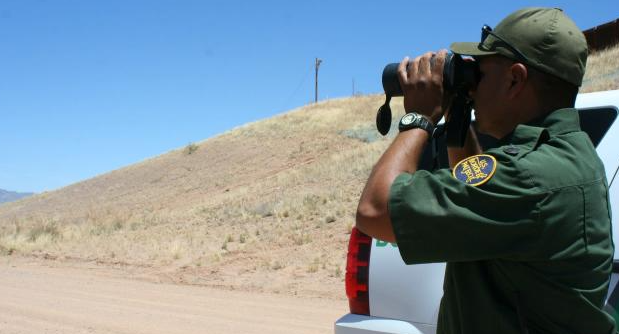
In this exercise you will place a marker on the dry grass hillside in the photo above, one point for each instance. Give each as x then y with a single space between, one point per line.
267 206
602 71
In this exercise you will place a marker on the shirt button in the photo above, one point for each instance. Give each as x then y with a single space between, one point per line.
511 150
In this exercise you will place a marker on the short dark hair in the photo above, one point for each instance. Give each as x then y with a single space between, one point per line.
553 92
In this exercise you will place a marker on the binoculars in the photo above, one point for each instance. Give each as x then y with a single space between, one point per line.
459 76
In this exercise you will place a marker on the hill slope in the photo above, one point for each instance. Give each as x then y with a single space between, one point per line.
266 206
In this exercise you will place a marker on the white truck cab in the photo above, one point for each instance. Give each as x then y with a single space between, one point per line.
388 296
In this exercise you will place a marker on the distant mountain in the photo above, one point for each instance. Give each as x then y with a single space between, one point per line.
9 196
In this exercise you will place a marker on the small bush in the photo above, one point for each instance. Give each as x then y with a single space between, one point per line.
117 225
177 249
190 148
49 230
264 210
301 239
311 202
4 250
10 244
277 265
313 267
330 219
366 134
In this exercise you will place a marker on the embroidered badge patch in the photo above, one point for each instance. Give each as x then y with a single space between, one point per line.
475 170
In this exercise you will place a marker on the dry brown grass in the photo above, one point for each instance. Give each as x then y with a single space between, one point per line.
267 206
602 71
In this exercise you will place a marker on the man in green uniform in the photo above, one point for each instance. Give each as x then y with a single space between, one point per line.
524 227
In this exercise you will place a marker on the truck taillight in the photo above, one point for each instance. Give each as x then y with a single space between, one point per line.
358 272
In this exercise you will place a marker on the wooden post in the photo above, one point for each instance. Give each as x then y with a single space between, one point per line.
318 61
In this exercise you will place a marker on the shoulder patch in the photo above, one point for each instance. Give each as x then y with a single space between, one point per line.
475 170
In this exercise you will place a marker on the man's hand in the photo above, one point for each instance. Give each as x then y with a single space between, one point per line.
422 83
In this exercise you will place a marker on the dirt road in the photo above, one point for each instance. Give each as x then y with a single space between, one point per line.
36 298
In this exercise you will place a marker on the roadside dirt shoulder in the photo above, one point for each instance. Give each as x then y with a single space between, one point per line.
41 298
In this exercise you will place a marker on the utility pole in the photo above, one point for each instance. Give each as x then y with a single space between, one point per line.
318 61
353 87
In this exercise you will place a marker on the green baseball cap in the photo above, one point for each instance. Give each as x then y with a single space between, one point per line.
544 38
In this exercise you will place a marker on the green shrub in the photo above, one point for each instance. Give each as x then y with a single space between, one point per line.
49 229
190 148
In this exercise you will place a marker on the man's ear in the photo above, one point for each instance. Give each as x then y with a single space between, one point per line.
518 75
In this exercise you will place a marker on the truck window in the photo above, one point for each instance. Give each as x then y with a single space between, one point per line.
596 121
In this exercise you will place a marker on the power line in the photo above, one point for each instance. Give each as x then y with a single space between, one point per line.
296 90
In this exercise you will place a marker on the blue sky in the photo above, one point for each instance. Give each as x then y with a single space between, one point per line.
87 87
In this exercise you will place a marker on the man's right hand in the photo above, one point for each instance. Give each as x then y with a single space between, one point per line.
422 84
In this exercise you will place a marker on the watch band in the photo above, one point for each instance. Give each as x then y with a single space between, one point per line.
413 120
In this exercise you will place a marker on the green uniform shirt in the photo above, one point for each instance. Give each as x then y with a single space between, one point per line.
530 250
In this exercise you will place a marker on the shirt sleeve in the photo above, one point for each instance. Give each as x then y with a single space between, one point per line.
438 218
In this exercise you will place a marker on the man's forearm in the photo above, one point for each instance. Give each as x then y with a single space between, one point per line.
401 157
421 81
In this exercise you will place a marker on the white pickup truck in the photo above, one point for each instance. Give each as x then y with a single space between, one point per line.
388 296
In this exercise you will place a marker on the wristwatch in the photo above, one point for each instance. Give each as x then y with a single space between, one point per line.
413 120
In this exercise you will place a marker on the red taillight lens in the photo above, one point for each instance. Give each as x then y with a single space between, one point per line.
358 272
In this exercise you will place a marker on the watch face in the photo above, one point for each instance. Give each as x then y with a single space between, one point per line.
408 119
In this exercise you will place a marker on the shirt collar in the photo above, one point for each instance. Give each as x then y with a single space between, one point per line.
557 122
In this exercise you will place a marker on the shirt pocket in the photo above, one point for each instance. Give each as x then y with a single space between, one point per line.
597 225
563 221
